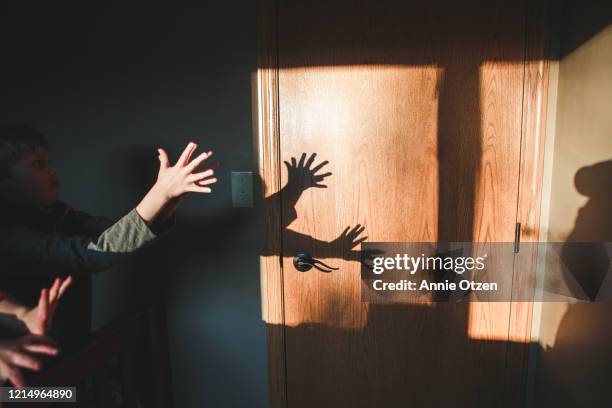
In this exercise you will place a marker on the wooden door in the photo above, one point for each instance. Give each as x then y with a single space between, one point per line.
424 113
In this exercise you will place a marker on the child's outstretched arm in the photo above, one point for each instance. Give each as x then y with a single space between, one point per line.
55 254
173 182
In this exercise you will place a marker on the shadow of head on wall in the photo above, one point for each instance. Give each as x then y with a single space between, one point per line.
573 366
584 253
593 222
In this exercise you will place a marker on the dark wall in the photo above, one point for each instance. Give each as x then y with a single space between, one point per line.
108 84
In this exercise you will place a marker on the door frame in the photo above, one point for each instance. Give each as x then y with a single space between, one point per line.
535 92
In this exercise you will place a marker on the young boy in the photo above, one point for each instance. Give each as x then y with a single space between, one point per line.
42 238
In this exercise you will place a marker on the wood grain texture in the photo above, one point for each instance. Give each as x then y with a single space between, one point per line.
269 172
530 191
418 109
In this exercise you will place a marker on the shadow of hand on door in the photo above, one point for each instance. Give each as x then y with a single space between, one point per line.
302 175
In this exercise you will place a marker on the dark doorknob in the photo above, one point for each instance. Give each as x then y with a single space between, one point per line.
303 262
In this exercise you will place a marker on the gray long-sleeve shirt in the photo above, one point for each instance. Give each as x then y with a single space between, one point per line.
37 246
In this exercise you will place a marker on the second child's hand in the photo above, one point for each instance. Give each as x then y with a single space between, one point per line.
23 353
38 320
173 182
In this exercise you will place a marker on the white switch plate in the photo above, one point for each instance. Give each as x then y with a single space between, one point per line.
242 189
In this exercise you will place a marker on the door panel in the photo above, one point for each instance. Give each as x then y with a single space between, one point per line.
417 107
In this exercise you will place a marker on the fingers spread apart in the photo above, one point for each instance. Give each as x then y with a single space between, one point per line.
197 161
186 155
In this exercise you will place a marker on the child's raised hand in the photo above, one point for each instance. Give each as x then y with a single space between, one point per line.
174 181
38 320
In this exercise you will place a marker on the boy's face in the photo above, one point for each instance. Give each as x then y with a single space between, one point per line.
33 180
